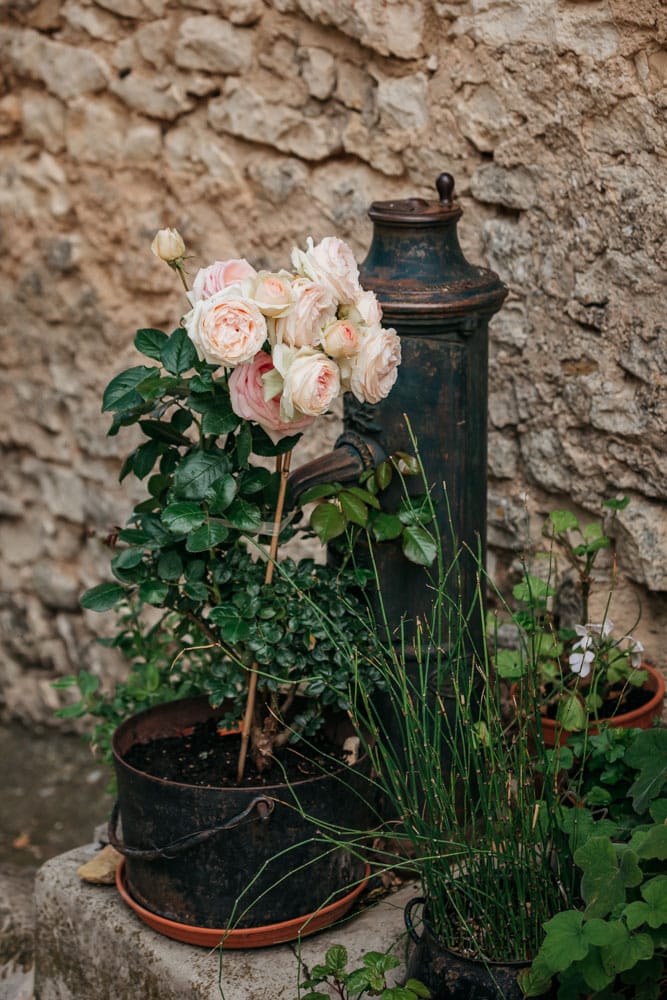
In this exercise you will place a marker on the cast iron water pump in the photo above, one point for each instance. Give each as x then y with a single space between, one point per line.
440 305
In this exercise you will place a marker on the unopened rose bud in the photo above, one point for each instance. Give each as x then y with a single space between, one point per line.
168 245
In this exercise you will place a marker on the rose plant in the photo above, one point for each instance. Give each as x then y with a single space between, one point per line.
258 356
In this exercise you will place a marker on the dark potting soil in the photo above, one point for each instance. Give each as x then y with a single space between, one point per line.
204 756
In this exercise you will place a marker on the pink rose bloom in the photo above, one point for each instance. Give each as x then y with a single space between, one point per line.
226 329
217 276
312 306
330 263
247 395
312 382
375 368
341 339
368 308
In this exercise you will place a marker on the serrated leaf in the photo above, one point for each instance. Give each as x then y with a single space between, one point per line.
221 494
605 876
182 517
651 844
562 521
153 591
419 545
532 588
335 960
219 418
207 536
383 475
159 430
648 755
178 354
510 664
244 516
150 342
364 496
652 909
357 981
319 492
103 597
353 509
121 393
385 527
616 503
418 988
144 458
128 558
327 522
564 942
198 472
170 566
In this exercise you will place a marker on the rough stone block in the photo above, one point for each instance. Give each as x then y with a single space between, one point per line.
211 44
90 945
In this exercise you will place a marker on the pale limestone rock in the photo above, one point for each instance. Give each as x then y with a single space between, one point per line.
96 23
95 133
507 522
642 542
345 192
496 186
481 117
142 10
391 27
503 456
156 96
66 70
370 145
510 326
244 112
543 457
318 69
403 102
143 142
354 86
278 177
153 43
211 44
237 11
10 115
56 586
43 119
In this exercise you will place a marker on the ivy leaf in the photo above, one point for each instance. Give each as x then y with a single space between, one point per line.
150 343
178 354
198 472
121 392
418 545
327 522
206 537
182 517
103 597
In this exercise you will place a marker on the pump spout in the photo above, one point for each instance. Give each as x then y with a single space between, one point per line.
352 455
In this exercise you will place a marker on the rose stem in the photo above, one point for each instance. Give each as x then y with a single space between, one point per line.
282 467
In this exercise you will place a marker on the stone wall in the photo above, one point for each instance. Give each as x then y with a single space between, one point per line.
249 125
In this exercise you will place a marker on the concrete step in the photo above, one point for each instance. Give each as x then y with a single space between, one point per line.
91 946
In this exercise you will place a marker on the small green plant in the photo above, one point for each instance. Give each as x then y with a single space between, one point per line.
613 944
370 979
581 671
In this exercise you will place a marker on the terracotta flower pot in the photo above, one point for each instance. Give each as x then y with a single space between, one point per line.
638 718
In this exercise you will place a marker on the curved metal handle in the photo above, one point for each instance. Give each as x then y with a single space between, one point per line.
407 916
264 806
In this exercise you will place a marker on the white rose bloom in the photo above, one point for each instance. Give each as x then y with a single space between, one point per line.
375 368
168 245
227 328
312 306
330 263
312 382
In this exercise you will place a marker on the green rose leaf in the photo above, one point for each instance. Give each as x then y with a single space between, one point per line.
221 494
219 418
178 354
180 518
385 527
198 472
121 392
206 537
170 566
144 458
353 509
153 591
254 481
327 522
363 496
418 989
159 430
419 545
128 558
103 597
383 475
244 516
319 492
150 343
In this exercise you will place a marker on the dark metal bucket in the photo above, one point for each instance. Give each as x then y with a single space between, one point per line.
222 857
450 976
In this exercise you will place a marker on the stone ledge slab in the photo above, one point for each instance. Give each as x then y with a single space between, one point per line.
90 946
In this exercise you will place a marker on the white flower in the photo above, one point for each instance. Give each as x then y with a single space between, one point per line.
635 649
580 663
226 329
332 264
168 245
